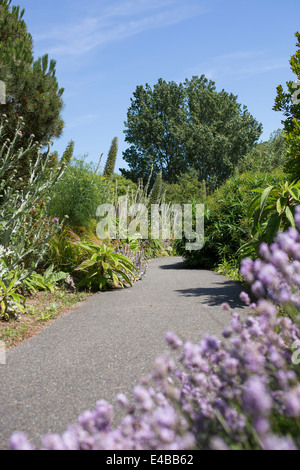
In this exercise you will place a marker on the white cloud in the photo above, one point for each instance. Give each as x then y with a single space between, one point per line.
116 22
238 65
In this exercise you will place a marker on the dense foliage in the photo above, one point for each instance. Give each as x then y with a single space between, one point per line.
289 103
32 90
227 226
173 127
266 156
81 190
25 225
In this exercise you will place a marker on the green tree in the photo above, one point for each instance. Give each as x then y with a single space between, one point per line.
32 90
111 160
187 189
173 127
289 103
266 156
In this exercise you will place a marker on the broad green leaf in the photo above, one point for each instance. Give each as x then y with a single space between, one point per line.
105 266
281 204
295 193
290 217
264 197
273 227
3 307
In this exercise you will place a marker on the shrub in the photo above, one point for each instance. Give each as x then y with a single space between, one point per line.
63 252
187 189
25 226
288 102
227 227
271 211
266 156
240 394
79 193
104 268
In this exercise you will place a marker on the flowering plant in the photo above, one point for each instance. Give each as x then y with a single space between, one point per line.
241 393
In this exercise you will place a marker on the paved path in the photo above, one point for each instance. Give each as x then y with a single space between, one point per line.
105 345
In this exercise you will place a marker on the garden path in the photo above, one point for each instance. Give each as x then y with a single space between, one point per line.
106 344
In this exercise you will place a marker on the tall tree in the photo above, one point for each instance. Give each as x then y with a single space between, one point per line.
173 127
112 158
289 103
155 131
32 90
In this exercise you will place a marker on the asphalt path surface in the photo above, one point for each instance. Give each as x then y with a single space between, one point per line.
104 345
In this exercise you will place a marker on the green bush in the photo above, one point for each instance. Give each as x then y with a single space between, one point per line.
188 188
104 268
25 225
271 211
266 156
227 226
79 193
63 252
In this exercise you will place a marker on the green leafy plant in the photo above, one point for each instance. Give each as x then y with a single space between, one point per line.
79 192
44 282
12 303
25 225
63 252
271 210
227 226
288 103
104 268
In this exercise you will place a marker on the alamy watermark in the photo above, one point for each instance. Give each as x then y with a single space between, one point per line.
2 92
2 353
157 222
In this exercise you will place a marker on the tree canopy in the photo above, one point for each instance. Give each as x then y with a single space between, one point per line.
31 86
187 125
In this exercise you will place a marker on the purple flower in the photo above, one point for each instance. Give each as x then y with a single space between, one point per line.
292 402
173 341
256 400
277 443
19 441
143 398
245 298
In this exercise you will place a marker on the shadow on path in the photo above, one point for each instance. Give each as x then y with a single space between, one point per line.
216 296
177 265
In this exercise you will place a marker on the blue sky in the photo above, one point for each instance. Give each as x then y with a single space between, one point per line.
105 48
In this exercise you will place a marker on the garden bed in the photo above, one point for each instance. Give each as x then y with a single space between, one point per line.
41 308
